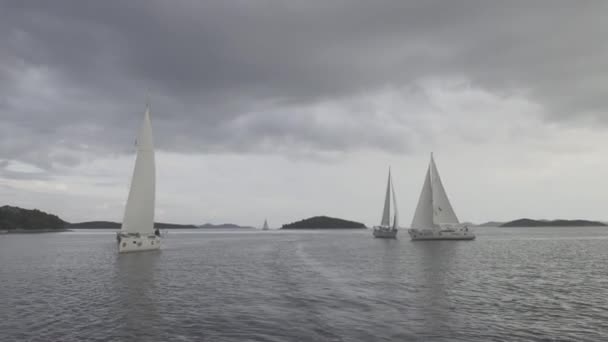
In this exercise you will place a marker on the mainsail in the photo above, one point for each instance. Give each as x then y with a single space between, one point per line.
395 215
265 226
388 202
423 217
139 211
442 209
433 207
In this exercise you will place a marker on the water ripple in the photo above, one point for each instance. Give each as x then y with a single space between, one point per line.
529 285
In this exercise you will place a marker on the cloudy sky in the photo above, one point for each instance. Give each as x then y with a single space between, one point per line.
291 109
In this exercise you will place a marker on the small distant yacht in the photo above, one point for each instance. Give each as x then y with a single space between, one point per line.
265 226
137 231
434 218
388 229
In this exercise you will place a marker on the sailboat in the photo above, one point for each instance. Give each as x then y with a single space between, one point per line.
137 231
435 218
265 226
388 229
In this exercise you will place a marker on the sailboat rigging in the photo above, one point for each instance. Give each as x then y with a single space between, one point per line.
137 230
388 228
434 218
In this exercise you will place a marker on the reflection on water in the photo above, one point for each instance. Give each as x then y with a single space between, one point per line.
524 284
435 265
136 288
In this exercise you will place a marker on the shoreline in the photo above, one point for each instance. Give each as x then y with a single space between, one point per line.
585 226
360 228
33 231
118 228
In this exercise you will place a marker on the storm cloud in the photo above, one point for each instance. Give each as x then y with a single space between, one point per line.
243 76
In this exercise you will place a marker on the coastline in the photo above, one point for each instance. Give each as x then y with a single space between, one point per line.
33 231
322 228
568 226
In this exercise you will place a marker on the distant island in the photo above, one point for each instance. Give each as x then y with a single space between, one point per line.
223 226
552 223
94 225
19 220
160 225
117 225
15 219
324 222
490 224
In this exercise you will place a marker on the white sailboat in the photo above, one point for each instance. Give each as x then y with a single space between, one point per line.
265 226
435 218
137 232
388 229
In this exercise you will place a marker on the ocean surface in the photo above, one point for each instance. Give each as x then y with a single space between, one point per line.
511 284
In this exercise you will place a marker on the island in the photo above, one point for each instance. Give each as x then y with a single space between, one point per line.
19 220
117 225
490 224
525 222
94 225
223 226
324 222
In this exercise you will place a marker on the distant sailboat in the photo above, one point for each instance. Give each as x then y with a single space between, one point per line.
265 226
435 218
137 232
388 229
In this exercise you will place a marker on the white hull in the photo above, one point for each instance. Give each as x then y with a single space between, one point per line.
385 233
137 243
440 234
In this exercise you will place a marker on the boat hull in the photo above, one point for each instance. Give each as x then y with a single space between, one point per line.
137 243
436 234
385 233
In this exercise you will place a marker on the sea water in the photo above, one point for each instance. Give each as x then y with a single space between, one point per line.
528 284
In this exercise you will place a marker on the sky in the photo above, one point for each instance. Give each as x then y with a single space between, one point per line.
285 110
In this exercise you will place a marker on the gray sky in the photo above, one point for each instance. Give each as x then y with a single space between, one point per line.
291 109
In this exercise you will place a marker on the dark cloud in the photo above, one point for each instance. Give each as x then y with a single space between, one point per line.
244 76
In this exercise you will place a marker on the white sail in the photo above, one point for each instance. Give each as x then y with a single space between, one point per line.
434 218
388 230
390 205
395 214
139 211
442 209
386 212
423 217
